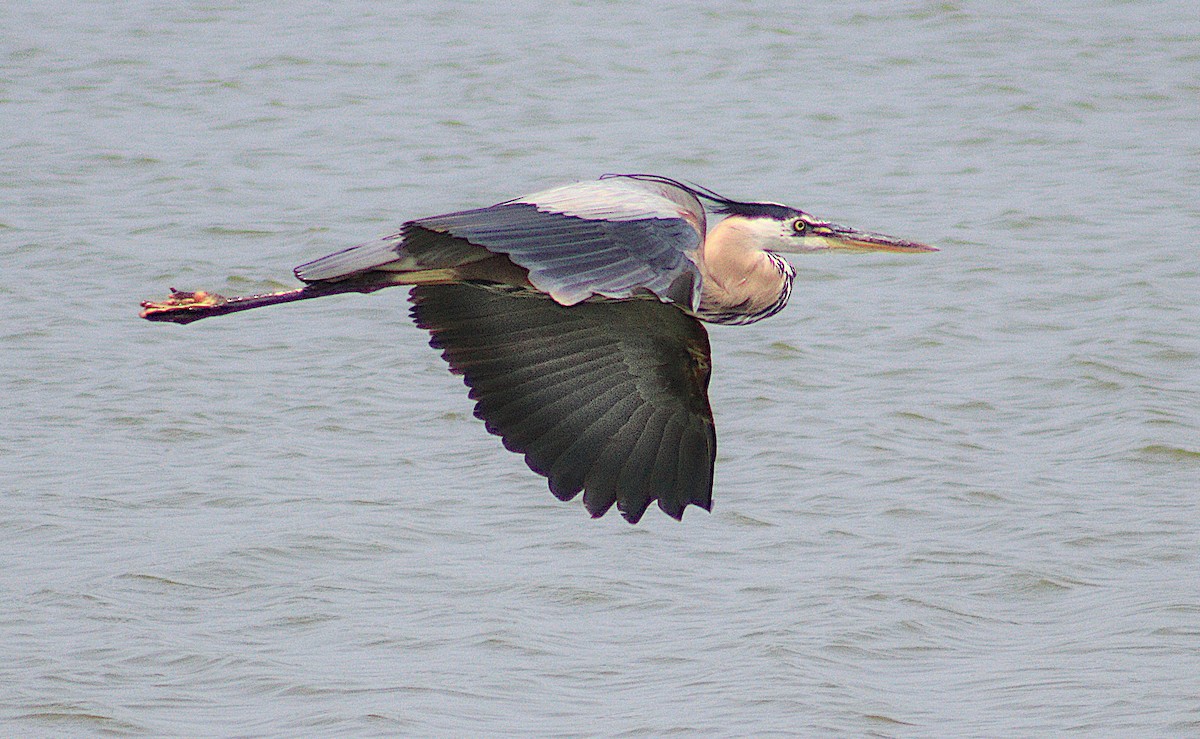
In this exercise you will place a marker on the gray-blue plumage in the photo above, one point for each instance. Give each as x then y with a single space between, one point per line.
572 258
613 238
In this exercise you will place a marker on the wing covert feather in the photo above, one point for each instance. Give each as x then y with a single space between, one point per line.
615 238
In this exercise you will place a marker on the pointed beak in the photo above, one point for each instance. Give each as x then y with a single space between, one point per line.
844 238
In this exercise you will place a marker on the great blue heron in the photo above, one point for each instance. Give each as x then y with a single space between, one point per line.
574 315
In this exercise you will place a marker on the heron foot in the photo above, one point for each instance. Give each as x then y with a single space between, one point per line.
181 302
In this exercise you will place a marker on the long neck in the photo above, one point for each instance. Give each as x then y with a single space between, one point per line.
741 282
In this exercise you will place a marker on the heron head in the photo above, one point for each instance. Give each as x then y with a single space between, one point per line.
781 228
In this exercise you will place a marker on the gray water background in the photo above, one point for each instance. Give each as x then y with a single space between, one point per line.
957 494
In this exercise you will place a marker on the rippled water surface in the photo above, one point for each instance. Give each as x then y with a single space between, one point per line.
957 494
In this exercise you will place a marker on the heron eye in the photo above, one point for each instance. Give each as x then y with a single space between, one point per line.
799 226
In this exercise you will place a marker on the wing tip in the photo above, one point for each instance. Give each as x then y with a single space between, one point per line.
451 313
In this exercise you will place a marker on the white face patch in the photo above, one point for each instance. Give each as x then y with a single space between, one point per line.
778 235
782 235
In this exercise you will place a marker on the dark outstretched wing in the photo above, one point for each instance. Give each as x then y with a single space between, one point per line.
614 237
607 397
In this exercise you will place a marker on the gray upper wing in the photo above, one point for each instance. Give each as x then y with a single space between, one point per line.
613 237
